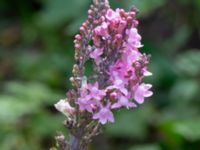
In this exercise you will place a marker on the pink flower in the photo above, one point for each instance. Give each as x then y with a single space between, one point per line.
111 15
102 30
97 40
130 56
96 55
86 104
133 38
104 115
119 85
141 92
122 25
118 71
95 93
123 101
115 19
84 100
64 107
90 95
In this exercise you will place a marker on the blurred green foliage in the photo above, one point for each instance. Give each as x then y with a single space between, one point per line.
36 57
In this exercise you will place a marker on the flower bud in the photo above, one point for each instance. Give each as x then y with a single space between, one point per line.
64 107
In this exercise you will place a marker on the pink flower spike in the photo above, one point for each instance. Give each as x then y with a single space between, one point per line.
104 115
141 92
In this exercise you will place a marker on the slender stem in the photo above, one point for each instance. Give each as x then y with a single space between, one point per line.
75 143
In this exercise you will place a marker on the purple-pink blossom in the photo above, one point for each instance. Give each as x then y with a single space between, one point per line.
133 39
96 55
123 101
95 92
142 91
104 115
90 95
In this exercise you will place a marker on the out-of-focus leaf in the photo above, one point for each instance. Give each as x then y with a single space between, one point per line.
18 142
146 147
197 4
22 99
131 123
178 111
189 129
48 68
11 108
60 11
162 76
44 123
177 40
171 139
146 6
35 92
184 90
181 101
188 63
74 25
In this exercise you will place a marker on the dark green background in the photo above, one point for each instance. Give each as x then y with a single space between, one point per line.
36 58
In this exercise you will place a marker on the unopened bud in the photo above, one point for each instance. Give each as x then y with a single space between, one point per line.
76 70
78 37
82 29
77 46
90 12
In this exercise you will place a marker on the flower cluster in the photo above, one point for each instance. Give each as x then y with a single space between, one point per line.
116 41
119 66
